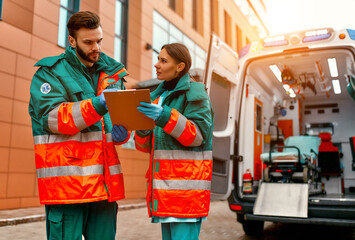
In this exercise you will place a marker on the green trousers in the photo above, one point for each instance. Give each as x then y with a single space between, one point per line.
181 230
94 221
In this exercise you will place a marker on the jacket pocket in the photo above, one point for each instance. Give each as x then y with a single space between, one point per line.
79 150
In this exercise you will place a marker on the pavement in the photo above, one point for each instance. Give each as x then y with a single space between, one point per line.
35 214
133 223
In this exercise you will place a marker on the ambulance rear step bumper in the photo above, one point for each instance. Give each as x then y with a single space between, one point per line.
322 221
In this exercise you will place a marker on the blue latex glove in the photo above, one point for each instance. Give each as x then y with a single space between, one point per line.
151 110
102 96
119 133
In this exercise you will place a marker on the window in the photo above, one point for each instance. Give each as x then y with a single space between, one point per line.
121 20
194 14
172 4
0 9
197 15
220 93
247 41
67 9
227 28
239 38
177 6
164 32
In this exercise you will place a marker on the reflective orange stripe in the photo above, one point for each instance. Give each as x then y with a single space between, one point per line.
88 112
169 127
156 101
68 151
188 135
103 80
65 189
142 143
184 169
66 124
101 87
185 203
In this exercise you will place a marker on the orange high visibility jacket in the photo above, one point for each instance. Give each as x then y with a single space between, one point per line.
76 160
180 170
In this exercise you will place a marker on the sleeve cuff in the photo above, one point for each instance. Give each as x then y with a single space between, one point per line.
143 133
164 117
101 110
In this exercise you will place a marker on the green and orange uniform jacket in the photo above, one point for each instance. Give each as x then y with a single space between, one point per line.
76 160
181 152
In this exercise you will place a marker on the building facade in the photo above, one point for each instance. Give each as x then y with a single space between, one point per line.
134 31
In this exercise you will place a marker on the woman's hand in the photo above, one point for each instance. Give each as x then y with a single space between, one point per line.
151 110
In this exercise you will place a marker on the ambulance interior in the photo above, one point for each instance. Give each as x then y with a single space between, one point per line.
301 99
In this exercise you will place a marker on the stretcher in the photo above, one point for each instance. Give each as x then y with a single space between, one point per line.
298 161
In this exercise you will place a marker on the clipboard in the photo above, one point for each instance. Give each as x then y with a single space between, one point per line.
122 107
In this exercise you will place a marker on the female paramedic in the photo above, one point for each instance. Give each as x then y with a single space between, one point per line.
180 169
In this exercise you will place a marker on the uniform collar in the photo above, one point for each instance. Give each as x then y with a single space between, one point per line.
183 84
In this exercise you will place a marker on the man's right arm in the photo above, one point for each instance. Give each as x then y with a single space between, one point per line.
50 105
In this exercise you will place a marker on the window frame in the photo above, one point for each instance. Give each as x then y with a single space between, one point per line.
124 31
1 1
70 12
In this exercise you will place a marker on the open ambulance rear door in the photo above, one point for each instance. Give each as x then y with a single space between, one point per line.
222 86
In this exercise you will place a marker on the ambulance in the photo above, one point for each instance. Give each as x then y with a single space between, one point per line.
283 147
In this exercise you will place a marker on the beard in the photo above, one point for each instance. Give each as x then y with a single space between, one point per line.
85 56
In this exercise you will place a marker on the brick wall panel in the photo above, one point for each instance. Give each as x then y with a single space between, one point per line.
7 60
22 91
21 137
7 83
5 129
25 67
15 39
22 161
3 185
20 113
4 159
6 105
20 185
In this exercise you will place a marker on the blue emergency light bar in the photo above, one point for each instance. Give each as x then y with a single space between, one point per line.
274 44
275 41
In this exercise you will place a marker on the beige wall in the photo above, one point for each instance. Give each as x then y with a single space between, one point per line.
33 34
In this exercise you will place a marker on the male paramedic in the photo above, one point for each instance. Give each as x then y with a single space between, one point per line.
79 174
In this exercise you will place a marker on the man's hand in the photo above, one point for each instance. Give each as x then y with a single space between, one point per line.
119 133
102 96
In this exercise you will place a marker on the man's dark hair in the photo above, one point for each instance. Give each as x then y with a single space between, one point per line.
82 19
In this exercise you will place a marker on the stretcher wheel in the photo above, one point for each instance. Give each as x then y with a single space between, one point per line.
266 174
305 175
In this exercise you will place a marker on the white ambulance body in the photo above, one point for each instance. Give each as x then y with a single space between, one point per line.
292 91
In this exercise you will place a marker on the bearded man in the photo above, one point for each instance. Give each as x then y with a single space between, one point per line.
78 170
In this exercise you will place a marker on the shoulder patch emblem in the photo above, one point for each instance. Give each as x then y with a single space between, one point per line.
45 88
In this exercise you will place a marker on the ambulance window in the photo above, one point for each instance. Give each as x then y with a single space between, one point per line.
219 94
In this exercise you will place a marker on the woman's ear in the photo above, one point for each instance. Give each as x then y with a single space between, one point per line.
180 67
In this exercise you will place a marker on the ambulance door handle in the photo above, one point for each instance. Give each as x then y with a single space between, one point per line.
238 158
